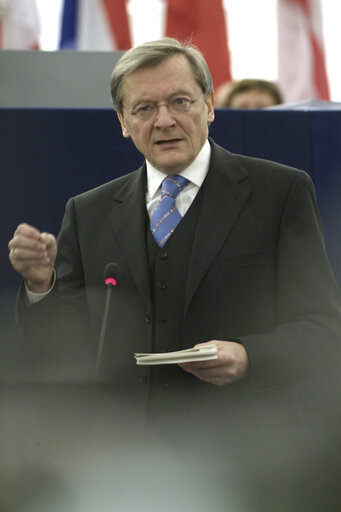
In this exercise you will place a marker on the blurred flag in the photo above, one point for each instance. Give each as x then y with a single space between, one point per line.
202 22
301 63
95 25
19 25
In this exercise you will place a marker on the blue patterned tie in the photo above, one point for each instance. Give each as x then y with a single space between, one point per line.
166 216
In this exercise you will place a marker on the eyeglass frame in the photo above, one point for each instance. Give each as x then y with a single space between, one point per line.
166 104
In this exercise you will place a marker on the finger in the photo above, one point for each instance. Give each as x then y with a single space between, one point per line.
50 243
27 230
20 242
203 365
26 257
217 370
47 239
23 235
23 249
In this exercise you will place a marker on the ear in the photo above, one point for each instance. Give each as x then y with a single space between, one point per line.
210 108
125 131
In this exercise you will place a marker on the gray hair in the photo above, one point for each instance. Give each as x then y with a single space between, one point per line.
153 53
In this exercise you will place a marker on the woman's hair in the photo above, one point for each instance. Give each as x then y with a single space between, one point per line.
249 84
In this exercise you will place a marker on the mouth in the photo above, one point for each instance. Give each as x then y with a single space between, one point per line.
167 142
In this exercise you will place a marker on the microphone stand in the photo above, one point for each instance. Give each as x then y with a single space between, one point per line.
110 282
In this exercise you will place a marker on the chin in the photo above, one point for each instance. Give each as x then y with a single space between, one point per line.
172 168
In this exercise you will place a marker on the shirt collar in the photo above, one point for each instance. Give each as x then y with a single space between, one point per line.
195 173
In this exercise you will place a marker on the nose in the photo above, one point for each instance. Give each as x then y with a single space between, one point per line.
163 117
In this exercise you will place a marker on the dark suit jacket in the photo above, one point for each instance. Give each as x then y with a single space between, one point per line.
258 274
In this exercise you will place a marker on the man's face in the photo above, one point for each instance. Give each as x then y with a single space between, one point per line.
169 141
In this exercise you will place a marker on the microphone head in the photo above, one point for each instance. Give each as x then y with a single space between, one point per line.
111 274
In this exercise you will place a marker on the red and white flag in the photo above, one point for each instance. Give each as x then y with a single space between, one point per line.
301 63
98 25
203 23
19 25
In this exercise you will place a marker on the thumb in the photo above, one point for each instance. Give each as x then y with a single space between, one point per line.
51 245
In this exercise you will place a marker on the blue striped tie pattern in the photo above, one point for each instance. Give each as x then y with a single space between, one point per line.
166 216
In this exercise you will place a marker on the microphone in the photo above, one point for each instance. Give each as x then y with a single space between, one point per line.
111 276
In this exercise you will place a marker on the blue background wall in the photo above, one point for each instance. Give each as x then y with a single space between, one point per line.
49 155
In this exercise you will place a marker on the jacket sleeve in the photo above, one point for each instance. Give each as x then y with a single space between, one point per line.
55 332
306 338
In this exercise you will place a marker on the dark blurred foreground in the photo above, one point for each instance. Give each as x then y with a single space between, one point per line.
85 449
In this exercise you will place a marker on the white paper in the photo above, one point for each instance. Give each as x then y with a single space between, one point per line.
181 356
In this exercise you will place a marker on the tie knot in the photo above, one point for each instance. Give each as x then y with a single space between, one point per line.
172 185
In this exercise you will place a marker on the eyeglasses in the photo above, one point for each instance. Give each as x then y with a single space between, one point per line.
177 105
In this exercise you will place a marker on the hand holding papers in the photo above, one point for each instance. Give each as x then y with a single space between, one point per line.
181 356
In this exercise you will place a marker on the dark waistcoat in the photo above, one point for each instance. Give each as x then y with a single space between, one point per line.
168 274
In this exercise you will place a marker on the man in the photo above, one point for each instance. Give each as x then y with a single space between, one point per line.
245 269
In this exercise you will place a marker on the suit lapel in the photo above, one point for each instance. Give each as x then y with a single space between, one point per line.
226 189
127 218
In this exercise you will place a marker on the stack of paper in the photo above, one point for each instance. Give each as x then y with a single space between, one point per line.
181 356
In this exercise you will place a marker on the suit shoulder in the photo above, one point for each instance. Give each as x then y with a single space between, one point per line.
258 168
112 188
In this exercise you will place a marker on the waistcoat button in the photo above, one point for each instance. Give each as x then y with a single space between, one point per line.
161 285
163 255
162 318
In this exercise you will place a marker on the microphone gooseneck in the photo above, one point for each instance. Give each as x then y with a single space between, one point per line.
111 277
